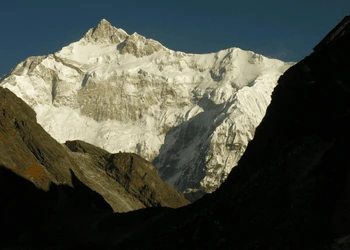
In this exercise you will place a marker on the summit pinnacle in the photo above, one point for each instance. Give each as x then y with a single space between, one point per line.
104 32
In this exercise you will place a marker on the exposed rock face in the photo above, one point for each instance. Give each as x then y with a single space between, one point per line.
191 115
104 32
139 46
135 178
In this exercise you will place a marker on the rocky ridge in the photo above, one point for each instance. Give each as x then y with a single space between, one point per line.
27 150
131 174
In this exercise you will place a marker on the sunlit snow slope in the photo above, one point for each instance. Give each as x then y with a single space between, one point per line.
192 115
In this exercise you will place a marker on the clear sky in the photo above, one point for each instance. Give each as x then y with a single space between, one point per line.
287 30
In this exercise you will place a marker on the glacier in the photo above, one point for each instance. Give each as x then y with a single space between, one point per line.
192 115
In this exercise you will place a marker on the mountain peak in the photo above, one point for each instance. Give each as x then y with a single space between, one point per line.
105 32
104 22
139 45
104 25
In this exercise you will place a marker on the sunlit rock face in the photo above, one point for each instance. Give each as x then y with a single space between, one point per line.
191 115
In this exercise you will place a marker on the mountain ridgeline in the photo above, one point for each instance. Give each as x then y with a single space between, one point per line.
190 115
290 190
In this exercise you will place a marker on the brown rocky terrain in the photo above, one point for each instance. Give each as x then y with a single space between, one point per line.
26 149
71 183
135 178
126 181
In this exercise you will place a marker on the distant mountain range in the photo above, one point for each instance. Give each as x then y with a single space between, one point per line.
191 115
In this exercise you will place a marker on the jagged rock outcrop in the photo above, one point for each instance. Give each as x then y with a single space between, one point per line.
190 115
139 46
105 32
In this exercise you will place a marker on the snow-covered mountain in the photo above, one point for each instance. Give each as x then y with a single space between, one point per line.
191 114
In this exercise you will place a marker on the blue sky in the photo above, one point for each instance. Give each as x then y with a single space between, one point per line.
281 29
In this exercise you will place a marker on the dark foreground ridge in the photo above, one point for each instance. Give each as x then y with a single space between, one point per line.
291 189
53 195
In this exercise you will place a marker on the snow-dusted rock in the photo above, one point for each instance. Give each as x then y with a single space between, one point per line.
192 115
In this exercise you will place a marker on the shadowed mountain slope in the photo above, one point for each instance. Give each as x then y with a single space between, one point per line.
32 218
127 183
67 197
27 149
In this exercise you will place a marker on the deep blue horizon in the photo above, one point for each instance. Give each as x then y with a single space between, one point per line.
287 31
